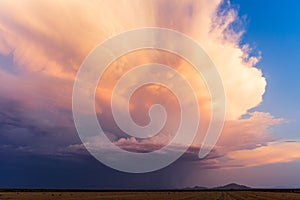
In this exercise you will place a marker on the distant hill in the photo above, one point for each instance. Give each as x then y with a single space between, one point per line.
232 186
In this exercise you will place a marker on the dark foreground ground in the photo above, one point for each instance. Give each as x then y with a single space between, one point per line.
147 195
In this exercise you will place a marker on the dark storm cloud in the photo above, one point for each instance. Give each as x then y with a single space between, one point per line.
23 128
25 170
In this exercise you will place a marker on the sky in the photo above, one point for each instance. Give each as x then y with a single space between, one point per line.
263 29
253 44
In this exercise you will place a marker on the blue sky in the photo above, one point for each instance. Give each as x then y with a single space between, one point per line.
273 28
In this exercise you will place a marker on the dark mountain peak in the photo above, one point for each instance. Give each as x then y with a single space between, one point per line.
233 186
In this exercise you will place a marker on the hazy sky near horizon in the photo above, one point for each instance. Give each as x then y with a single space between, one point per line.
254 45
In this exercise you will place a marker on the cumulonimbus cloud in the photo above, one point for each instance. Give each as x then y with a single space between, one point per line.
48 41
53 38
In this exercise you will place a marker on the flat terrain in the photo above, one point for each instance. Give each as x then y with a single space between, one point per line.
145 195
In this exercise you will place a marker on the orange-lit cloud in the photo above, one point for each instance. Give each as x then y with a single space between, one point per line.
248 133
273 152
50 39
53 37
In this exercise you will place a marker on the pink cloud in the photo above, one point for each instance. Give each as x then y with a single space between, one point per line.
50 39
